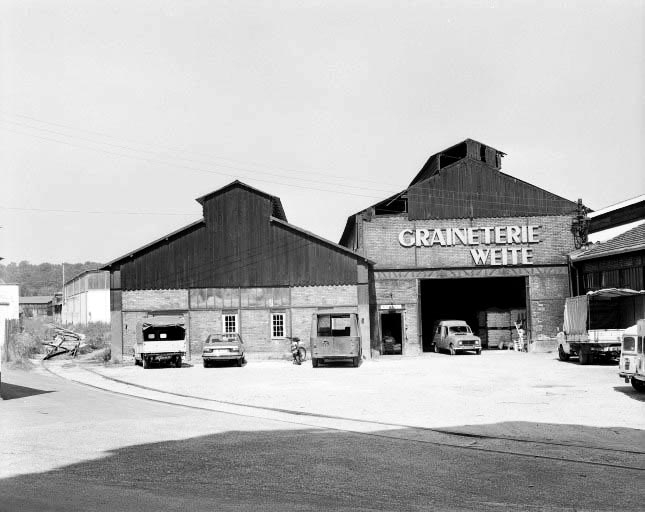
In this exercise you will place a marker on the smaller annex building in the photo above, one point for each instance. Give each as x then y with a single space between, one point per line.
86 298
465 241
241 268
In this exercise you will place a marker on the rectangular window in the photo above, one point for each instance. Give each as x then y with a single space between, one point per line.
229 323
277 325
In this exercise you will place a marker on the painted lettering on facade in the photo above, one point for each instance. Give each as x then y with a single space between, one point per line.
510 238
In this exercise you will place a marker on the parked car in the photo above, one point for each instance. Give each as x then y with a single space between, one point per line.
223 347
335 337
455 336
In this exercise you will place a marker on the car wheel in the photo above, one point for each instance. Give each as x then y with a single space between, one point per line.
206 365
562 354
478 351
638 385
240 362
178 362
452 350
314 362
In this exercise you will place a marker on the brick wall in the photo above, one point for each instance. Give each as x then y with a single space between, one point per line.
547 297
155 300
381 241
254 323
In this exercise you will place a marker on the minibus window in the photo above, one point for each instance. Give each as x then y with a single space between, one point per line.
629 344
324 325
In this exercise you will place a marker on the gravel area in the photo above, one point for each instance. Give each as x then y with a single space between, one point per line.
517 390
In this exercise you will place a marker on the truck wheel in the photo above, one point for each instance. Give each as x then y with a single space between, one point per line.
584 357
562 354
638 385
452 350
145 362
314 362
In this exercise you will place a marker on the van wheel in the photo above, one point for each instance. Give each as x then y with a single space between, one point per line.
562 354
314 362
638 385
452 350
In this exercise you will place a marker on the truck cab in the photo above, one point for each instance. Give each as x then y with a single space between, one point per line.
335 337
455 336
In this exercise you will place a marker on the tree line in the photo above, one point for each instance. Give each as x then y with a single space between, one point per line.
43 278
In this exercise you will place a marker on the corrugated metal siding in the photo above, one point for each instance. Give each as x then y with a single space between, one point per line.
472 189
238 246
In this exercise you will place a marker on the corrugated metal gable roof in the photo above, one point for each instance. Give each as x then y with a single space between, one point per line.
632 240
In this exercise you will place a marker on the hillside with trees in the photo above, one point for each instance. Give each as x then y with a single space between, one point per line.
44 278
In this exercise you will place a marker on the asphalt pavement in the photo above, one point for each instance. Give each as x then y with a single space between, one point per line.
70 446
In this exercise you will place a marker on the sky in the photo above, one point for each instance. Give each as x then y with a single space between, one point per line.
115 116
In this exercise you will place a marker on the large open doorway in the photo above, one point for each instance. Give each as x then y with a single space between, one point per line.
467 299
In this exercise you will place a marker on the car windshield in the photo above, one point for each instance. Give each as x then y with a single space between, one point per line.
459 329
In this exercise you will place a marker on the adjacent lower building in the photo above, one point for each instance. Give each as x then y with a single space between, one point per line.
241 268
86 298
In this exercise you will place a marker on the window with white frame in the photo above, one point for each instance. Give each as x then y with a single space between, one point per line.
229 323
277 325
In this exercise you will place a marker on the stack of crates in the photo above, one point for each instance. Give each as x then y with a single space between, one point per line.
495 327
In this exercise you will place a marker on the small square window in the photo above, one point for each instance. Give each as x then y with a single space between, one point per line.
277 325
229 323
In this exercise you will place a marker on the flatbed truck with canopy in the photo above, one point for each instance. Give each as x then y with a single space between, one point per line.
160 339
594 323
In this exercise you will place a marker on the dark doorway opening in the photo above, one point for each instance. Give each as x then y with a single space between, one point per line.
465 299
392 333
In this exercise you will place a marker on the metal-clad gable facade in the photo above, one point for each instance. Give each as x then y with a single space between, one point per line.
238 246
470 188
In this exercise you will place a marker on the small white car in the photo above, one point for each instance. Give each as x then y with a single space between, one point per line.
455 336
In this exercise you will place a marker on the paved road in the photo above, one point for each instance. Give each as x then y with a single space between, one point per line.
68 447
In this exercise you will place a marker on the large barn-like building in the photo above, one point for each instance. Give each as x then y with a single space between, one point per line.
241 268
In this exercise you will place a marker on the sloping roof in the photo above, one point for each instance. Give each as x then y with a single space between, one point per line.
151 244
324 241
35 299
632 240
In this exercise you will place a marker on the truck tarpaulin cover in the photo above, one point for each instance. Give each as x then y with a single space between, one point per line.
575 315
609 308
163 321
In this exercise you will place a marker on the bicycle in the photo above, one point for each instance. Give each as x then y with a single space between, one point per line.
298 351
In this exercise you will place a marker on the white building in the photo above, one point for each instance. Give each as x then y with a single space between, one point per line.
86 298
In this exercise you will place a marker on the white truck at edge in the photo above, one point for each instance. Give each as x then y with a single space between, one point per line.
160 339
577 339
